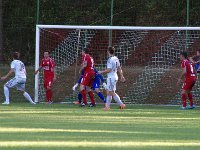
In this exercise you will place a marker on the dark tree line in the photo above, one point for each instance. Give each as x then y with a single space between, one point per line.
19 18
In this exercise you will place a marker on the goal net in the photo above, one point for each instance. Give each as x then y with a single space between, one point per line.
149 58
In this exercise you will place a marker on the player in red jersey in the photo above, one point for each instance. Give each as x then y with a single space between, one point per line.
48 66
190 79
88 77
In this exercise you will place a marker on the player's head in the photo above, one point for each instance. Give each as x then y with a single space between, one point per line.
183 55
85 51
46 54
111 50
16 55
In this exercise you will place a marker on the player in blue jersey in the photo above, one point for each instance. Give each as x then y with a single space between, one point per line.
196 60
95 86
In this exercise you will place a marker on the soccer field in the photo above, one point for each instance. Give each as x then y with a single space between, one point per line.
63 126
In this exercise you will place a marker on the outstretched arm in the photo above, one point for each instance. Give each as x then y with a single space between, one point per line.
8 74
38 69
105 71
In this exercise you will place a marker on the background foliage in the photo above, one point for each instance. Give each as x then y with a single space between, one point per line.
20 16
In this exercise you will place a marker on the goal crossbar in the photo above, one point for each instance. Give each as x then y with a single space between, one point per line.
116 27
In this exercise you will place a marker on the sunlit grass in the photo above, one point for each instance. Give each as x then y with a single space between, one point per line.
24 126
94 144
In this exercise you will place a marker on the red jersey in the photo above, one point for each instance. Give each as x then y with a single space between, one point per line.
90 62
48 66
190 73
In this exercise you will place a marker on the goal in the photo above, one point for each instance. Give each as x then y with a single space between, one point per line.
149 58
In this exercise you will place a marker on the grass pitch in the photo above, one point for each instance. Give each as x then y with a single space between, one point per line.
62 126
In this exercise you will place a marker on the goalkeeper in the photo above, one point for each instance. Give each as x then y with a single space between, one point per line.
95 86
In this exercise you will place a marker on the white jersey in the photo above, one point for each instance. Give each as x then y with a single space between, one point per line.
19 68
113 63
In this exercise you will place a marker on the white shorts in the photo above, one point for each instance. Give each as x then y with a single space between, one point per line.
111 84
19 84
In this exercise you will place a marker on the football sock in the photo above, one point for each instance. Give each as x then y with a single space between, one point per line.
101 97
83 93
27 96
190 98
6 93
117 99
91 95
108 101
49 95
79 97
184 99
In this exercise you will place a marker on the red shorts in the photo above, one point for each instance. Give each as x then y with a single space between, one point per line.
188 84
48 82
88 78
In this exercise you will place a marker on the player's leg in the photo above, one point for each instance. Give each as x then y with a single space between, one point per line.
190 96
6 93
48 88
83 93
86 83
79 99
96 86
97 90
108 101
184 98
21 87
91 95
112 89
10 84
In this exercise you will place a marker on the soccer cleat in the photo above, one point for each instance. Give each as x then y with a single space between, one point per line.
33 103
122 106
92 105
49 102
106 108
183 108
82 104
76 102
5 103
191 107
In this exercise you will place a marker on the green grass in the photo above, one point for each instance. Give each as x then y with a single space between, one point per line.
62 126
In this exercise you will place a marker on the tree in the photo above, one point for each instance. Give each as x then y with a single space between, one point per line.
1 33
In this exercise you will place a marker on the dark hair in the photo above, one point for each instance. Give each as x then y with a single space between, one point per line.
86 50
16 55
184 54
47 52
111 50
198 50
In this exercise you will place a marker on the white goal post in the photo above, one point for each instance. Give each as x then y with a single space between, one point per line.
79 29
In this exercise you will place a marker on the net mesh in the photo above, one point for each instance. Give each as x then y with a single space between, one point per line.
150 60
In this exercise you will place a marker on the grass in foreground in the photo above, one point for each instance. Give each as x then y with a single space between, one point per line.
61 126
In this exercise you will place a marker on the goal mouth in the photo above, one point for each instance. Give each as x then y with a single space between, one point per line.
149 58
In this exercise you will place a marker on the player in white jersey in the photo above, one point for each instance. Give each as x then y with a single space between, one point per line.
18 81
113 66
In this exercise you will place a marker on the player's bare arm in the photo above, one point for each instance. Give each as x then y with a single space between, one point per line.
105 71
38 70
181 76
11 71
192 60
121 74
84 64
